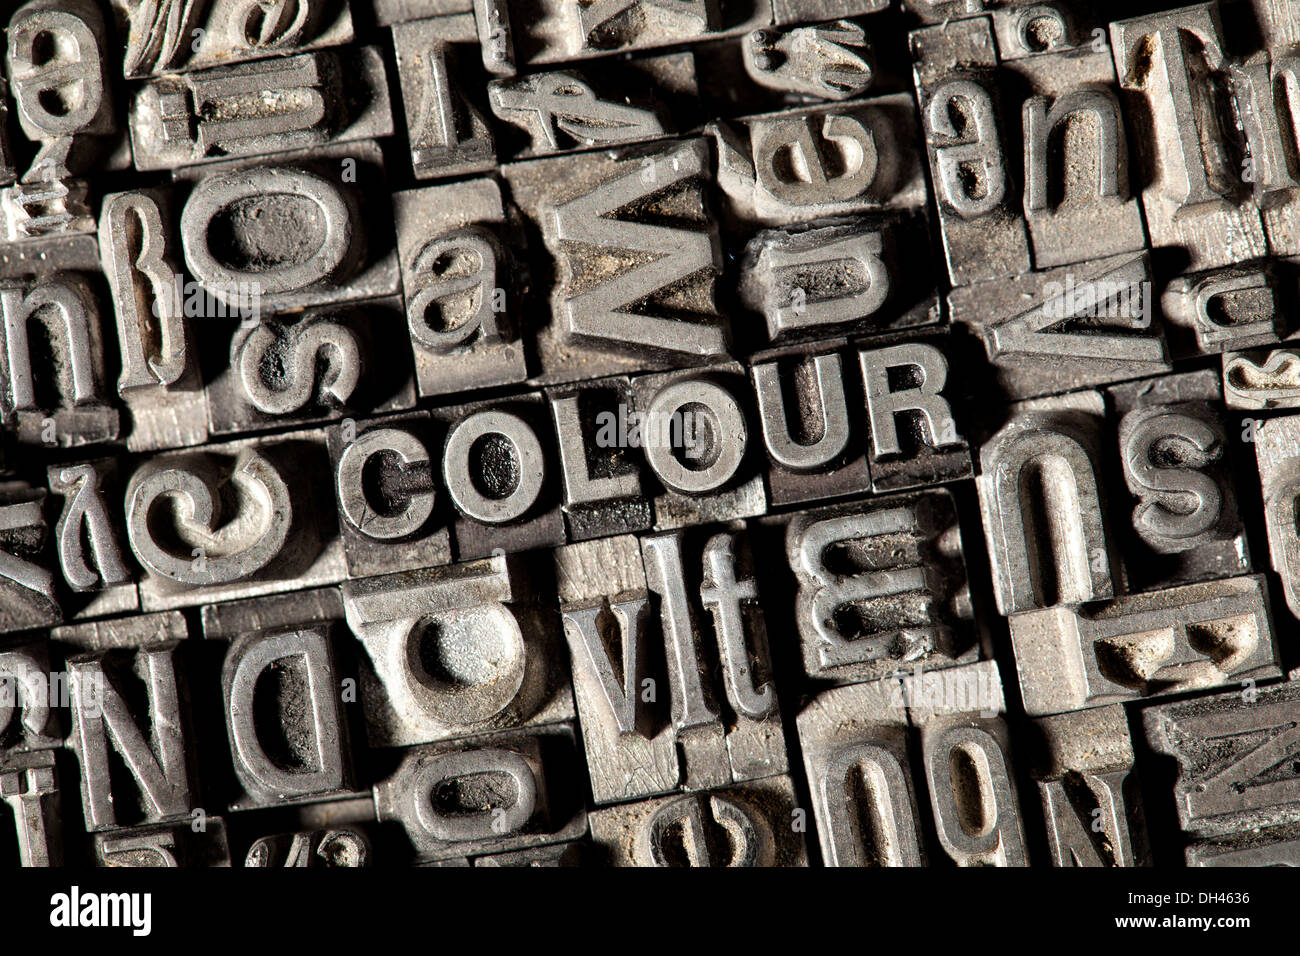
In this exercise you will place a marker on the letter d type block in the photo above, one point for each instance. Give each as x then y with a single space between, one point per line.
306 756
1144 645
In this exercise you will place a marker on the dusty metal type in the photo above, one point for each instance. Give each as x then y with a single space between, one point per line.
549 433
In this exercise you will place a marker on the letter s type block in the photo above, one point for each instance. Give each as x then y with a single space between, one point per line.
1174 452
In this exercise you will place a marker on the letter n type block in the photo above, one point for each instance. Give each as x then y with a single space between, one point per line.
1042 504
111 666
854 743
1077 199
1237 768
1083 770
61 401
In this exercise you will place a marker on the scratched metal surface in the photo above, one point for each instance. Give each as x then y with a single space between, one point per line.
649 433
